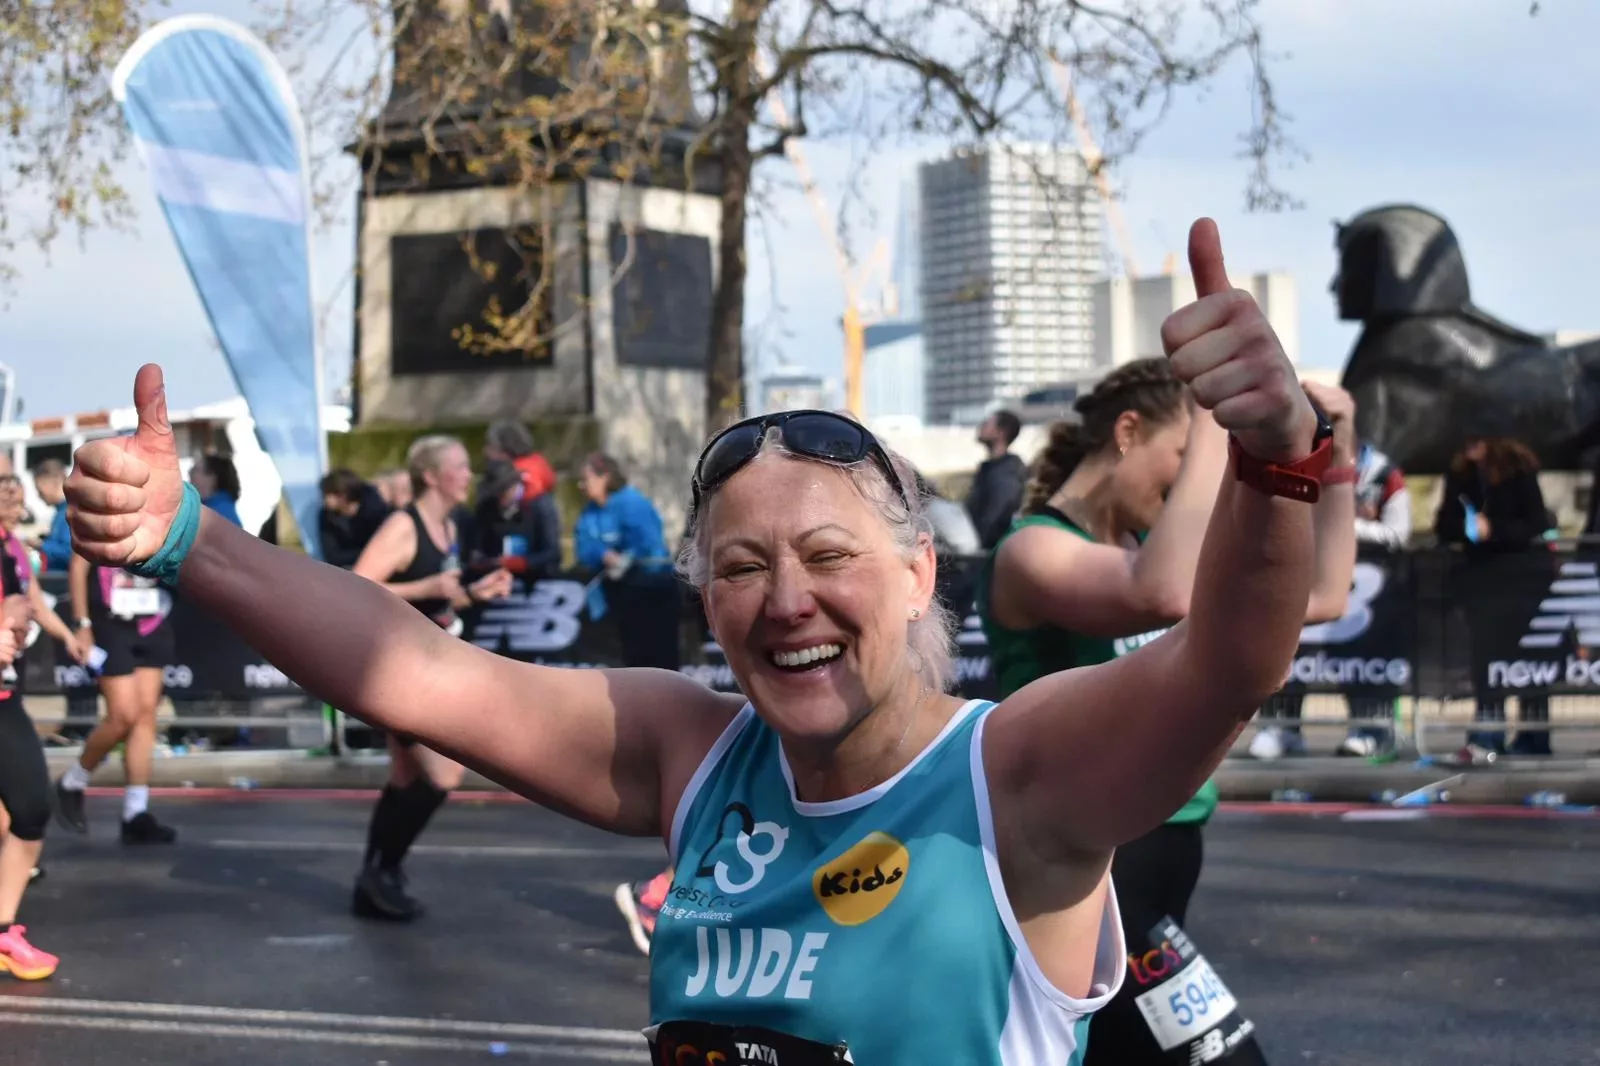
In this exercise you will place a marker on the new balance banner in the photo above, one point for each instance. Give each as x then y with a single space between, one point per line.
215 120
1372 648
1429 624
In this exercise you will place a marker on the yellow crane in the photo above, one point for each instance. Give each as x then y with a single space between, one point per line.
1095 161
855 319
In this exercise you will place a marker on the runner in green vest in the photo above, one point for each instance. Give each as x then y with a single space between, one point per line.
1101 562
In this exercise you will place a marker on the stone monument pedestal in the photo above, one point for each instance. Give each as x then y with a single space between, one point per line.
626 334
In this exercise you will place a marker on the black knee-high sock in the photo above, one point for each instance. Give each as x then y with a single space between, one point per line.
415 806
381 830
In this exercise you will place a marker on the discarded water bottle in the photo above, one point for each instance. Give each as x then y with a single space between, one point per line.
243 784
1547 798
1291 795
1388 795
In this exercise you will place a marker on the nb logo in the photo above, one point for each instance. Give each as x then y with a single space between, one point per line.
544 620
754 859
1208 1048
1365 585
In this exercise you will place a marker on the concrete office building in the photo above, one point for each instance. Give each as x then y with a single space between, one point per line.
892 386
1128 313
1010 249
787 388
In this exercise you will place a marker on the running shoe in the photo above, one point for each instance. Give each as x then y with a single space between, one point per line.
21 959
69 809
1359 746
143 828
640 903
381 894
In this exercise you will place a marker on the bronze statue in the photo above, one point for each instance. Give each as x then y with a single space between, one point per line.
1431 369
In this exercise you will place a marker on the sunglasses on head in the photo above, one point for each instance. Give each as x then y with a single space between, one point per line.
820 435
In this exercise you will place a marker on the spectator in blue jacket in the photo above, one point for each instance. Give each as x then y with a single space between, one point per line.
50 479
619 528
619 535
217 480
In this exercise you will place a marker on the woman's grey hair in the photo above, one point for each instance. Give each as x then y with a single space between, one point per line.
928 637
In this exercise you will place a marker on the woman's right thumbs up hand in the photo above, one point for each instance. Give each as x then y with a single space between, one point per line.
124 492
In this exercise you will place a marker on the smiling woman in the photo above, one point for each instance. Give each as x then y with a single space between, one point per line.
844 822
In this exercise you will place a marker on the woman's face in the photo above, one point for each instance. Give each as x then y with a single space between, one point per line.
593 484
1476 451
451 476
1148 469
200 477
11 504
810 596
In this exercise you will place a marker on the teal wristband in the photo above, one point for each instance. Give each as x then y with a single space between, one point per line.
164 564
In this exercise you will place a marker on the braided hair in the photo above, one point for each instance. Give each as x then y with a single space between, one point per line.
1144 386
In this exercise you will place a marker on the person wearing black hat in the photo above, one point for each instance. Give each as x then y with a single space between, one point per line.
508 524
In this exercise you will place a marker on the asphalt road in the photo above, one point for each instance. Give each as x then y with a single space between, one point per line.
1435 942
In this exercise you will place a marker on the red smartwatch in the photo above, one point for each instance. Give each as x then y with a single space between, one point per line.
1300 480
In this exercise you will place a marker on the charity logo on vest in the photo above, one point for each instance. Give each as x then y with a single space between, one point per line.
858 885
754 858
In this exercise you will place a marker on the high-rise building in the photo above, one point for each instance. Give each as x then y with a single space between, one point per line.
893 376
1010 249
788 388
1128 313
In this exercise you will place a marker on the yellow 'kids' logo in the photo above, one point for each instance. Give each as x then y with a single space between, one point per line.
858 885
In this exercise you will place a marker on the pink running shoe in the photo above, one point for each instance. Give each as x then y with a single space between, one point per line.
21 959
640 903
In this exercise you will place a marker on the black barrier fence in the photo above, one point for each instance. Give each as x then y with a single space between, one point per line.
1430 624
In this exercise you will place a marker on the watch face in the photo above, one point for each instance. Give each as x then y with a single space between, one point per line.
1324 425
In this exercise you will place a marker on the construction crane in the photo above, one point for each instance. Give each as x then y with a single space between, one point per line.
1095 161
855 319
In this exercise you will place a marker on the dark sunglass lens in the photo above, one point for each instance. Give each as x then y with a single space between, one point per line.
727 453
825 436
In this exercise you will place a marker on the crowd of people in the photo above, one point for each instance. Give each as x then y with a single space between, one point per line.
1145 581
843 776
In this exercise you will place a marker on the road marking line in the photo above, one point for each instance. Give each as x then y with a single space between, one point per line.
524 851
543 1052
1435 810
9 1003
361 793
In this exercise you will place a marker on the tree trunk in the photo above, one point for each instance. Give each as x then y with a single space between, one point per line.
725 376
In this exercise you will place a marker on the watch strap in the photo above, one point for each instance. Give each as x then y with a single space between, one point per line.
1300 480
1341 475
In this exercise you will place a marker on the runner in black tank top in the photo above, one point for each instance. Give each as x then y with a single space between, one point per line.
430 561
416 555
128 620
1077 581
24 777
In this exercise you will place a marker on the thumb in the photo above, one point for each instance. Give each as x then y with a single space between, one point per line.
154 435
1205 259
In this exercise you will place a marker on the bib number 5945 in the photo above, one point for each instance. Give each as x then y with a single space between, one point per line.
1186 1005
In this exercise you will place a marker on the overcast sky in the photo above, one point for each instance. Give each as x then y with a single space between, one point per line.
1468 107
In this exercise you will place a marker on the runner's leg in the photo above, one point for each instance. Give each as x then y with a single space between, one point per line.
420 781
121 694
139 826
25 792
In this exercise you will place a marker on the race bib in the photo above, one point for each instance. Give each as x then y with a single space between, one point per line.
135 602
1192 1016
711 1044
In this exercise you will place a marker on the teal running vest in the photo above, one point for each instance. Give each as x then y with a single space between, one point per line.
878 920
